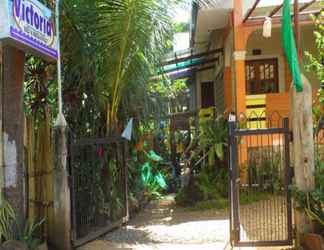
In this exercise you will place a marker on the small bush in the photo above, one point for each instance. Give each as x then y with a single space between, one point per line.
210 204
248 198
189 195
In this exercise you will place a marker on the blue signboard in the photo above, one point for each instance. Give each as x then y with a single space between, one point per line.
29 25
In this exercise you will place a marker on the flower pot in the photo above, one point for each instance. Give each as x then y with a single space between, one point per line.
14 245
313 241
42 247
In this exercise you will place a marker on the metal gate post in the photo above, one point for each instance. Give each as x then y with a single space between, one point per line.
61 238
125 166
72 187
288 178
233 195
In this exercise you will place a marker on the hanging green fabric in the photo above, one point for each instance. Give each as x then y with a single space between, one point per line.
289 46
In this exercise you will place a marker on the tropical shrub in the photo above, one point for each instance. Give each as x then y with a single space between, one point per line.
315 65
209 182
213 137
152 176
14 228
313 202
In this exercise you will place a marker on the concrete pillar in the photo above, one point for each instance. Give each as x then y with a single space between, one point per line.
1 132
241 36
240 80
239 57
13 129
61 238
228 79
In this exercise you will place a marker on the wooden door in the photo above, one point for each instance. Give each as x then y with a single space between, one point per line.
207 95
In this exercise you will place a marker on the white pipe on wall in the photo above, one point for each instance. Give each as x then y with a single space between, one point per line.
60 118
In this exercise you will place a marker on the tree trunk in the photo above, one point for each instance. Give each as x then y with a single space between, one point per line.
303 146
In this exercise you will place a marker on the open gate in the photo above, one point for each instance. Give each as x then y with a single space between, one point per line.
260 175
99 176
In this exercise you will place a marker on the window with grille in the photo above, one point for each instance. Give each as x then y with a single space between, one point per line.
262 76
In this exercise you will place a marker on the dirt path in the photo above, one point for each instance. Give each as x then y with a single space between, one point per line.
163 226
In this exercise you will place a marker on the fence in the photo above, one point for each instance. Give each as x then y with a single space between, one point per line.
98 186
39 171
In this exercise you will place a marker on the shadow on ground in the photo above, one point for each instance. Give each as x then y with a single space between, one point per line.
164 226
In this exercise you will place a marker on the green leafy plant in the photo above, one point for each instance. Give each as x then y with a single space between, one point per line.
152 177
252 197
313 202
7 217
210 181
213 137
315 65
26 231
315 61
14 228
219 203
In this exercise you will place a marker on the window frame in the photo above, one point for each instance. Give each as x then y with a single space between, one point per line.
256 64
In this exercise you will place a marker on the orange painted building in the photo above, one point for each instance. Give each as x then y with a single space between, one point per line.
252 75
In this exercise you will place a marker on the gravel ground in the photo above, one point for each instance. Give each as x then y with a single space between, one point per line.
161 222
264 220
162 226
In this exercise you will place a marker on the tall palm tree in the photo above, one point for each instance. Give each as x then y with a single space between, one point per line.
133 35
110 50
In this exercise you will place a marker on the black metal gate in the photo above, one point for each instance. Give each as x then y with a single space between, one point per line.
98 186
260 175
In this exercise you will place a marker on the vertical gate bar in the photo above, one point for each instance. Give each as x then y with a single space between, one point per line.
268 201
230 177
234 196
125 172
119 176
282 220
250 154
288 179
93 216
236 190
71 146
262 203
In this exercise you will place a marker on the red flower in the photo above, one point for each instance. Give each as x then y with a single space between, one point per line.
100 152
